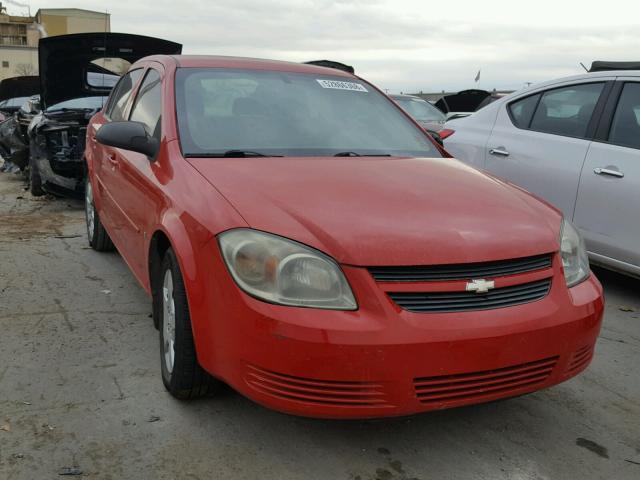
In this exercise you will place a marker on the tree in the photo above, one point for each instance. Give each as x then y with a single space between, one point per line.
25 69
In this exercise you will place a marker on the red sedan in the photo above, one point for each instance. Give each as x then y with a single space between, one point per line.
307 243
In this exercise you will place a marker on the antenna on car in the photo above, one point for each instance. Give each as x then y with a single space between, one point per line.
585 68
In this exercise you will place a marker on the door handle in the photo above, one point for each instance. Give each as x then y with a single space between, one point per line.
112 159
499 151
608 171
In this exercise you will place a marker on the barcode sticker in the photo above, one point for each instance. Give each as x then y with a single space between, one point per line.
340 85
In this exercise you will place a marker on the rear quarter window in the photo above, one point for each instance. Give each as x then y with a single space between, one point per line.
521 111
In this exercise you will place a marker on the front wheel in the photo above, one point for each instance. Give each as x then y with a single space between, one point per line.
182 375
96 233
35 181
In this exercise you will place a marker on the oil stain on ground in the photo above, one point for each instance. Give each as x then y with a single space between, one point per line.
392 471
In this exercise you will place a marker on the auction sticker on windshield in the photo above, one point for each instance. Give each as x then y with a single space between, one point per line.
339 85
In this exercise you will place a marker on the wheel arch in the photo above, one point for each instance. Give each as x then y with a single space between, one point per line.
172 233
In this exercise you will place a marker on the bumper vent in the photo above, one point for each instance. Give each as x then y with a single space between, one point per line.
467 301
579 360
473 386
465 271
318 392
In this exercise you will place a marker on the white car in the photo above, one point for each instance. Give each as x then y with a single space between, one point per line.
574 142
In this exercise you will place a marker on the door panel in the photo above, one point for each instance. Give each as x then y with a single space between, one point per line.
608 203
134 189
608 206
106 159
545 164
545 152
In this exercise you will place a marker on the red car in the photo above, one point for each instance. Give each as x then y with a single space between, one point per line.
306 242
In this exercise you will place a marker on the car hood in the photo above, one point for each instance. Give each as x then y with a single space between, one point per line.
65 60
464 101
386 211
15 87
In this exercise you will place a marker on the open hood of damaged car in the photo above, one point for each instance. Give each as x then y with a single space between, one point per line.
65 60
15 87
464 101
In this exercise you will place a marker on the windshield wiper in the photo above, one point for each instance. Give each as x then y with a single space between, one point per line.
231 154
356 154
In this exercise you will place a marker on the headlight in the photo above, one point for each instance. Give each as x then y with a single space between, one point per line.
282 271
574 255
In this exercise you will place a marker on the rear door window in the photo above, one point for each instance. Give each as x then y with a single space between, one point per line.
522 110
148 106
625 128
119 97
568 110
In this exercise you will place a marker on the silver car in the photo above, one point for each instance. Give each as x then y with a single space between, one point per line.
574 142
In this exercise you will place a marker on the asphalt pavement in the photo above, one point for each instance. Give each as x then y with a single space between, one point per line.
81 394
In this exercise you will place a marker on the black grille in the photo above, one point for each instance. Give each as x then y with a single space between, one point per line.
462 271
464 301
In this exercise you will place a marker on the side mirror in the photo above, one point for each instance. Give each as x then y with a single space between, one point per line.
128 136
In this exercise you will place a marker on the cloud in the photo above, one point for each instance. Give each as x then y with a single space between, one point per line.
398 45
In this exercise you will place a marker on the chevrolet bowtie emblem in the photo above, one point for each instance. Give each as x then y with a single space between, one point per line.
480 285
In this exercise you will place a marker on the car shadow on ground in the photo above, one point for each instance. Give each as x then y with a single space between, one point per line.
618 282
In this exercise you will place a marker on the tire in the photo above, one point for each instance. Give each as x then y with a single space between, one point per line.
182 375
35 182
98 237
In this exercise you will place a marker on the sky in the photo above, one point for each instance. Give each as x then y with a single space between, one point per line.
401 45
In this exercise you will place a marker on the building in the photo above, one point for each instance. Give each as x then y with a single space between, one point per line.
18 45
19 35
62 21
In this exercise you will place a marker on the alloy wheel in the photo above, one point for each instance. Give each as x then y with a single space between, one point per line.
89 210
168 321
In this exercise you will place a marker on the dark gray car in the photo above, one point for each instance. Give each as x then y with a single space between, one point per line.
428 116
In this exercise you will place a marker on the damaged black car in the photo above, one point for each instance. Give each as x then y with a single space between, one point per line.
15 91
15 94
77 72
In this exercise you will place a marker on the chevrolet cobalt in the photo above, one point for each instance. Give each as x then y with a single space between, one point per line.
306 242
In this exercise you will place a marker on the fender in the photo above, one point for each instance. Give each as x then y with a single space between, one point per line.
188 238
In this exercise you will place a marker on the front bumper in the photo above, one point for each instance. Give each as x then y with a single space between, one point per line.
65 182
383 361
57 151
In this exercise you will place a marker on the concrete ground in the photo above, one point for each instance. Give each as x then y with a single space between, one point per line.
80 390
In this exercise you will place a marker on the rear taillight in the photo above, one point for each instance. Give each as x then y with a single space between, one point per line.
445 133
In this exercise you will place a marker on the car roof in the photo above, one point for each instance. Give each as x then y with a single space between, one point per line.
582 76
219 61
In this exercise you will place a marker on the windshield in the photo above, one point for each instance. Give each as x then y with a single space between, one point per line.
83 103
290 114
420 110
13 102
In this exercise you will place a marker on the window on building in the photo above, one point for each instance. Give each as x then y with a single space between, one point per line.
5 64
13 34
